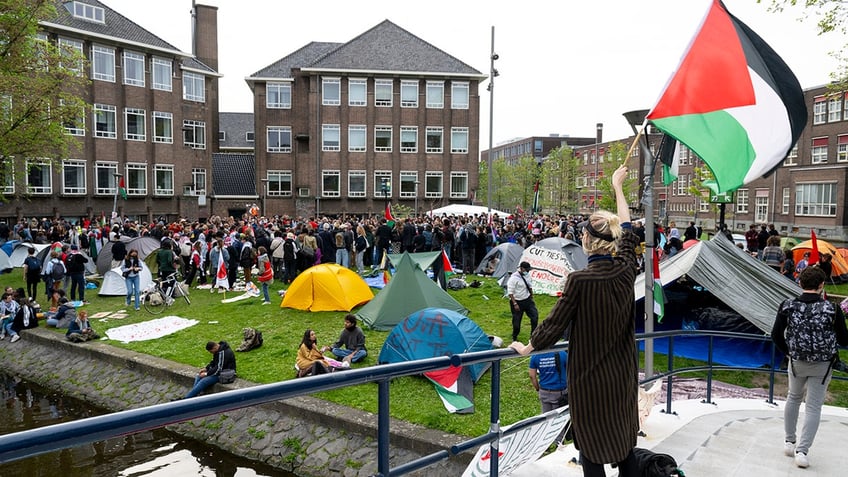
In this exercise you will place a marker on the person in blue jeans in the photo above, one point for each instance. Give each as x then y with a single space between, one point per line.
350 347
131 267
222 358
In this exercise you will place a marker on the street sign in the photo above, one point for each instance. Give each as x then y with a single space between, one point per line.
723 198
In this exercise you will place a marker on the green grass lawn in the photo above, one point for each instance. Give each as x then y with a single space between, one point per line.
412 398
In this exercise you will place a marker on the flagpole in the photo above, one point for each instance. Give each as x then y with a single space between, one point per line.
118 176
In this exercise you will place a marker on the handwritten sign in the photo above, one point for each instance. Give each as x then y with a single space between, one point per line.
550 268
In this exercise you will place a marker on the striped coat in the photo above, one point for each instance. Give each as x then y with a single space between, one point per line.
597 307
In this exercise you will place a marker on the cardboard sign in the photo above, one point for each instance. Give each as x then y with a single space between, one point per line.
550 268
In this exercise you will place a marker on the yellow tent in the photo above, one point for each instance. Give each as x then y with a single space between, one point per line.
327 287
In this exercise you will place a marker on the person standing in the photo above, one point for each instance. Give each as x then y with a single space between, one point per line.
266 273
167 261
131 267
32 273
597 307
223 358
76 270
807 329
521 299
548 376
350 346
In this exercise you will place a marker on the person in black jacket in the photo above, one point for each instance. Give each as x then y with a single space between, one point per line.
223 358
76 270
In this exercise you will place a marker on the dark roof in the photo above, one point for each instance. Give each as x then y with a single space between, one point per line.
116 25
195 64
233 175
386 47
235 127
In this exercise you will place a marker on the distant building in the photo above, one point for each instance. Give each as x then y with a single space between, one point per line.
536 146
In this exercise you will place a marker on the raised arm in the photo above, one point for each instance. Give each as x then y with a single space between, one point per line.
618 178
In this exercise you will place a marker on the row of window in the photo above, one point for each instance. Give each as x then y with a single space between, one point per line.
135 126
830 110
279 94
279 139
357 184
39 178
810 200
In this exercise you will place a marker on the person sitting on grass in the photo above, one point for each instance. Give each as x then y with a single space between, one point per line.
310 360
24 319
8 309
79 330
65 314
350 347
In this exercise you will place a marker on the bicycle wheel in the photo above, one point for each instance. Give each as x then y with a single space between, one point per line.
155 302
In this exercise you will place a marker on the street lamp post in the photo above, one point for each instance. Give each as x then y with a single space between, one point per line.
416 199
384 186
637 118
491 88
118 176
264 195
599 136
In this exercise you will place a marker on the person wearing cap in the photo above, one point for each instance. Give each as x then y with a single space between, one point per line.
596 307
75 262
521 299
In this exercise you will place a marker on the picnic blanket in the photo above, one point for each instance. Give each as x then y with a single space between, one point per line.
149 330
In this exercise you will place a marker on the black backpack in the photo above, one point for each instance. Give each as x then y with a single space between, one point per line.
33 265
58 271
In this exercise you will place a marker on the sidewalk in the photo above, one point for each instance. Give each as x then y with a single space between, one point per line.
732 437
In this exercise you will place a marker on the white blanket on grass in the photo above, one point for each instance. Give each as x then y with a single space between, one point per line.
149 330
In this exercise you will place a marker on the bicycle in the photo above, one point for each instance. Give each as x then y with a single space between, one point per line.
156 298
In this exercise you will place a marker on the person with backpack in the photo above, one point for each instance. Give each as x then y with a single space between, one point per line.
808 329
75 268
32 273
54 273
290 252
247 257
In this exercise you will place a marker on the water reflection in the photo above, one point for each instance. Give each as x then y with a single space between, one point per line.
157 453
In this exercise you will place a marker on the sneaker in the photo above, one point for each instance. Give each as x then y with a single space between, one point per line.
17 337
266 302
2 336
137 309
801 460
789 449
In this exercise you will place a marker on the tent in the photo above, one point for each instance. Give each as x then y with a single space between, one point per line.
408 291
21 250
8 247
552 259
327 287
463 209
5 263
115 285
145 246
840 265
508 256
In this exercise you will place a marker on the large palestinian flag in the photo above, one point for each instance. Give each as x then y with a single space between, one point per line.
733 101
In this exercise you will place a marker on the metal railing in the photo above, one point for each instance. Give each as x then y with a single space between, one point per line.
29 443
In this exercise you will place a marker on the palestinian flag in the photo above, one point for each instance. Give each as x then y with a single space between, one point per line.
659 293
446 264
221 280
733 101
384 264
122 188
455 388
390 220
669 156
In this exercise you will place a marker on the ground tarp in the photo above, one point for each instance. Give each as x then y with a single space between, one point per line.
327 287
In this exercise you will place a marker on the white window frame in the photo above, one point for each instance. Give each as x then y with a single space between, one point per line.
331 85
74 126
45 169
194 87
329 174
811 199
434 184
741 201
357 183
458 145
383 92
818 154
162 73
819 111
103 63
380 133
192 126
78 166
133 64
455 179
198 180
250 136
357 138
408 139
136 178
761 208
70 45
456 99
331 138
407 184
278 95
792 157
141 122
357 92
87 12
785 198
841 149
378 183
279 183
278 145
409 93
7 181
160 183
167 120
834 109
432 132
108 111
435 95
106 171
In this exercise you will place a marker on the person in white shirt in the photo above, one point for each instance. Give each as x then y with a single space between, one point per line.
521 299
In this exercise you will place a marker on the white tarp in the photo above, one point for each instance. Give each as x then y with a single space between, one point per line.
5 264
21 251
115 285
462 209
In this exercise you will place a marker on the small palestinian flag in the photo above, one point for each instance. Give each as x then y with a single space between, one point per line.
390 219
659 293
446 264
455 388
733 101
122 188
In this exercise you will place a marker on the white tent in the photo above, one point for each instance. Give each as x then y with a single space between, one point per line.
19 254
115 285
5 264
462 209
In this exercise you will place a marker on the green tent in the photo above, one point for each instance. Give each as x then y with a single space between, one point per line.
408 291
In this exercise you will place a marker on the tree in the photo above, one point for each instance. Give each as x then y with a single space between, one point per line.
40 86
614 157
559 179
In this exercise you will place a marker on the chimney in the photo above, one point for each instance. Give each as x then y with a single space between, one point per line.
204 22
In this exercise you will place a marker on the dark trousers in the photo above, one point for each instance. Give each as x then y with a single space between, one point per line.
78 286
626 468
524 306
32 285
290 271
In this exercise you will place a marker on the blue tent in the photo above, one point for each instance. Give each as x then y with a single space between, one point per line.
434 332
9 246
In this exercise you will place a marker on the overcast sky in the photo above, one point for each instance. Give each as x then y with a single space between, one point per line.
564 65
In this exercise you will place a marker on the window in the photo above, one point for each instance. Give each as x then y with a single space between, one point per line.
356 183
331 92
162 74
279 139
703 205
222 136
194 87
792 157
103 63
163 178
459 185
330 137
331 183
357 138
87 12
72 54
682 184
104 121
7 178
408 94
136 179
383 139
249 136
194 134
819 152
819 111
683 156
163 127
785 201
433 185
436 94
279 183
134 121
278 96
383 93
834 109
357 92
39 175
133 68
198 180
459 95
408 184
741 201
73 177
383 184
105 182
816 199
434 139
761 205
842 148
409 139
74 123
459 140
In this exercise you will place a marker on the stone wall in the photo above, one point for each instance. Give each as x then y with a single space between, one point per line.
304 435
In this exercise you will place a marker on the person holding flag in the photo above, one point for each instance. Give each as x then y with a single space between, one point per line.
219 257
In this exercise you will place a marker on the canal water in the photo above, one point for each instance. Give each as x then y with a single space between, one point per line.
156 453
